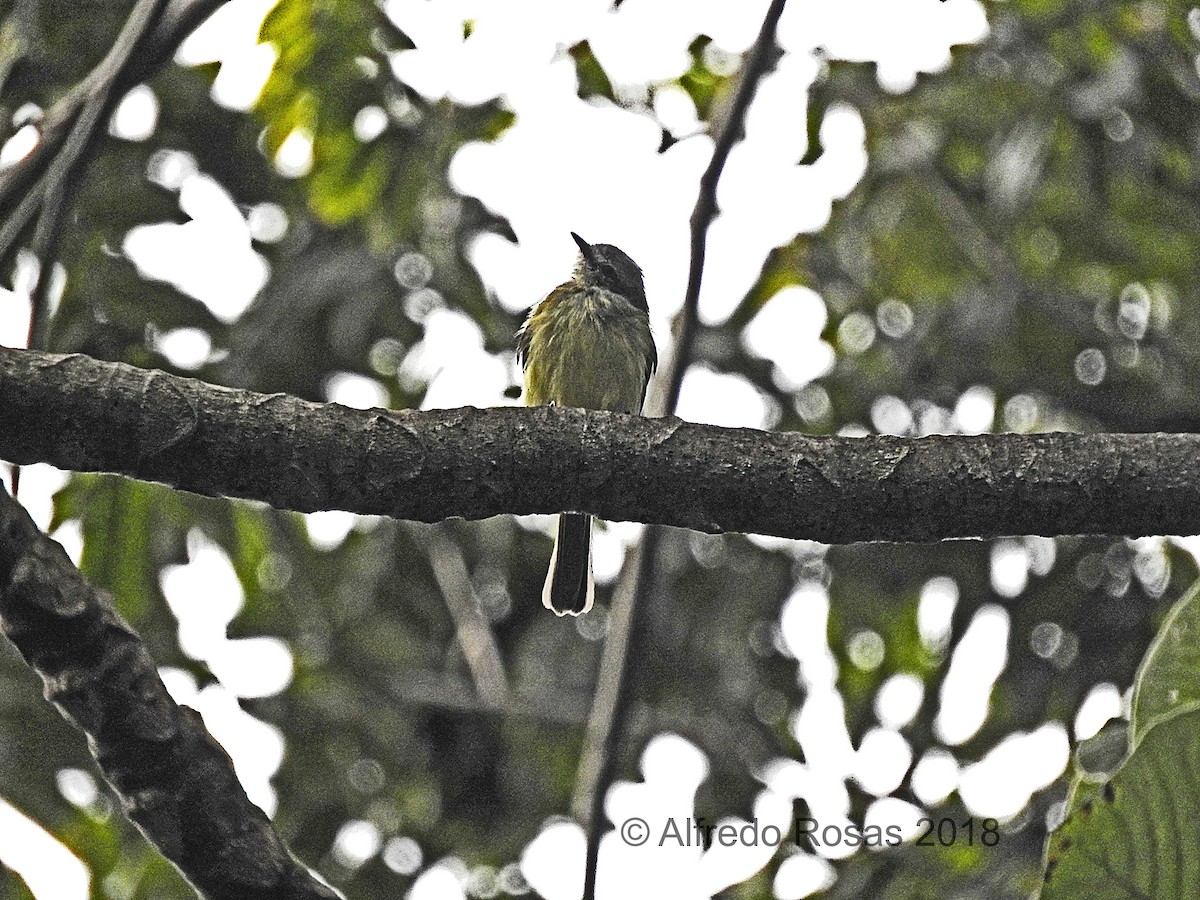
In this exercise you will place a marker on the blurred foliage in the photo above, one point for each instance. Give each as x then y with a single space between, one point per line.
1027 225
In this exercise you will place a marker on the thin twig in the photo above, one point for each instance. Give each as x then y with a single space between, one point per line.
760 60
49 193
177 20
614 690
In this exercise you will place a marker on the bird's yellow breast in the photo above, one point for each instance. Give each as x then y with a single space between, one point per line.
590 348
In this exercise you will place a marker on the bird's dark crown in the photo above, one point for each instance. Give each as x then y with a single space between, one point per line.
609 267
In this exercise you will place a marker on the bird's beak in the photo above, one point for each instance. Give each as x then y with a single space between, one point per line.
584 247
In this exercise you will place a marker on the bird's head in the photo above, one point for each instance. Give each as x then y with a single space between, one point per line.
609 267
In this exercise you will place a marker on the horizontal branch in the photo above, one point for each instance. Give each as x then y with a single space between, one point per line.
174 780
85 415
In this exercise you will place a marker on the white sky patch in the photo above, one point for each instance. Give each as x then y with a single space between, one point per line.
721 398
402 855
1102 703
675 110
356 391
210 257
451 359
268 222
975 410
14 317
230 30
327 528
787 331
69 534
184 348
1042 553
356 842
17 147
935 610
294 159
891 415
892 812
881 761
369 123
757 841
978 661
935 777
868 30
801 875
48 868
899 700
230 36
204 594
136 115
437 883
553 861
610 541
804 622
242 77
820 728
77 787
39 484
1009 567
1002 783
253 667
171 168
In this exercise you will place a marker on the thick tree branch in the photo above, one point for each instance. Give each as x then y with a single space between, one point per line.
174 780
81 414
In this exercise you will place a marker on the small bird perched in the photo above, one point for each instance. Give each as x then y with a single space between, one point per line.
588 344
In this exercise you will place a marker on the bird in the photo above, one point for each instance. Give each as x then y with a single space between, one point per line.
588 344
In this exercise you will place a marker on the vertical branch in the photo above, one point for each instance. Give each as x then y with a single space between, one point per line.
628 629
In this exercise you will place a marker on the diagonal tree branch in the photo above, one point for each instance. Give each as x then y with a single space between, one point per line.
175 781
48 193
471 627
85 415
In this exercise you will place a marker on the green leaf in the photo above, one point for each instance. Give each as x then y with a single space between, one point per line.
1169 677
1135 836
593 81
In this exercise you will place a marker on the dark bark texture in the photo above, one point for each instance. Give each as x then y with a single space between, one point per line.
174 780
81 414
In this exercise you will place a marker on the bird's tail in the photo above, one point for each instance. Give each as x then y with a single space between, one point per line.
569 587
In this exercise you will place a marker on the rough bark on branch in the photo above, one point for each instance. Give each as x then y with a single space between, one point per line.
85 415
175 781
